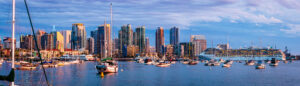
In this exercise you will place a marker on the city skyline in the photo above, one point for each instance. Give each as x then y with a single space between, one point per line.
254 23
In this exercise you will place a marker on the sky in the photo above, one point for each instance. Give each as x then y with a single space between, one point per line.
241 23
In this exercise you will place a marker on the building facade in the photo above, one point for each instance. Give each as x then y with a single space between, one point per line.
67 38
141 39
78 37
125 38
159 41
91 46
200 43
58 41
174 40
102 40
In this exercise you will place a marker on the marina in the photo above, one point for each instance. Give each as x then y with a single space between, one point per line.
285 74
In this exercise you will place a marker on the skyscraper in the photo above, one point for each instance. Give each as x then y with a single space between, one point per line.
58 41
125 37
7 42
67 38
102 40
174 36
140 39
78 37
39 35
91 45
47 41
174 40
159 41
147 45
26 42
200 43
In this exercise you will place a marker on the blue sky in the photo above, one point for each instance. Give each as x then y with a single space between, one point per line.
243 22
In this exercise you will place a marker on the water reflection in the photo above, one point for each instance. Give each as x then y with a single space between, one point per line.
135 74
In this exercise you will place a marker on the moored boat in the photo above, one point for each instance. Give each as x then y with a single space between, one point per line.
260 65
28 66
193 63
107 67
250 62
273 62
227 64
148 61
162 64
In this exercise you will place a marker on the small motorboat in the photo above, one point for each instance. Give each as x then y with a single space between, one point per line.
185 61
148 61
274 62
107 67
212 63
27 66
250 62
48 65
221 60
227 64
193 63
162 64
173 62
260 65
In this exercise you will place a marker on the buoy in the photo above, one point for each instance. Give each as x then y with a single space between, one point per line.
122 70
102 74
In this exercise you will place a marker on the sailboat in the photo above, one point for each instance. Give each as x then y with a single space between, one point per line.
107 65
11 76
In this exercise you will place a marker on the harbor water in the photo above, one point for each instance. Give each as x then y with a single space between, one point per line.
136 74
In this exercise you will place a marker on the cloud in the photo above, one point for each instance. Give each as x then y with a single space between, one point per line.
293 29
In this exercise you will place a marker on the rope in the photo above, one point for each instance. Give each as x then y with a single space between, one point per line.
36 42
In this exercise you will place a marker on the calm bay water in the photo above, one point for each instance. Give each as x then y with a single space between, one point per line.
136 74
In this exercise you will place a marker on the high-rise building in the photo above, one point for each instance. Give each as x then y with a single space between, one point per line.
200 43
187 49
102 40
174 40
159 41
47 41
26 42
174 36
78 37
140 39
90 46
67 38
58 41
125 37
147 45
7 42
39 35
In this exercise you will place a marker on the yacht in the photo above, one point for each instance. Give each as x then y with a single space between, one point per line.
193 63
186 61
227 64
250 62
148 61
27 66
260 65
274 62
162 64
107 67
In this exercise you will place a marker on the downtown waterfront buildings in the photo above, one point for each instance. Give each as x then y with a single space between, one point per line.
129 43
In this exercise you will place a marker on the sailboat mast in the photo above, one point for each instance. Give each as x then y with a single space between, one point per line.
13 33
111 23
13 36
